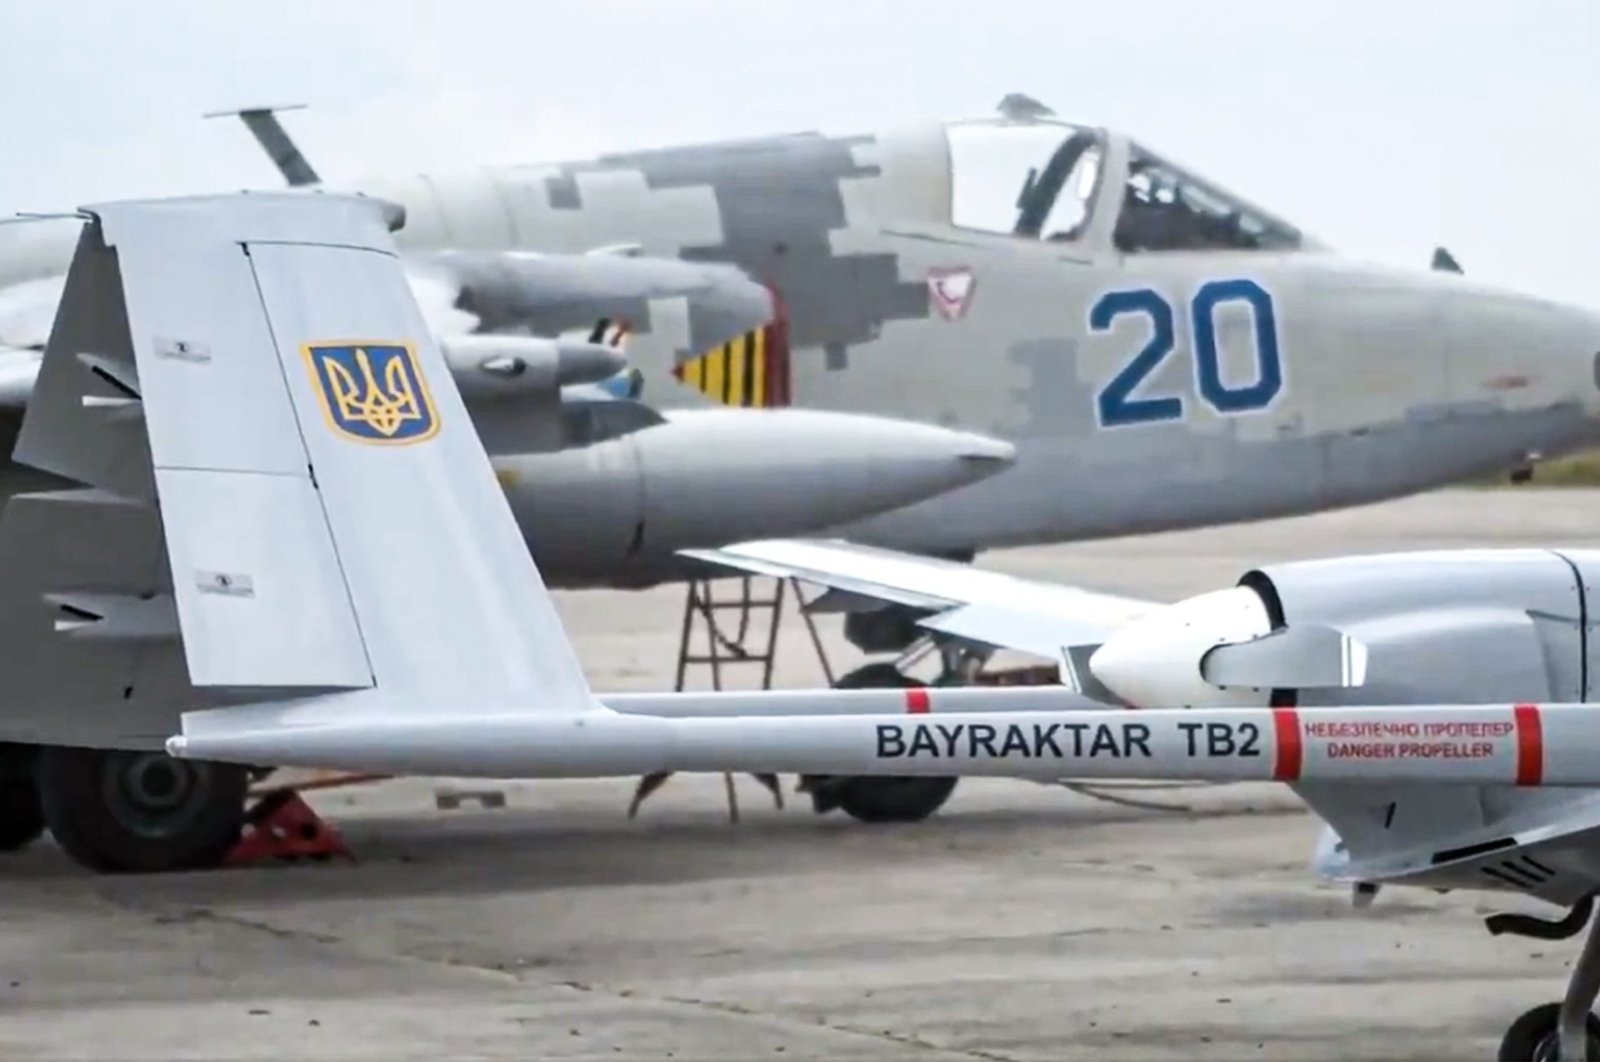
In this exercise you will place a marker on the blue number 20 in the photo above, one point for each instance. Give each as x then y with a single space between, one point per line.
1116 404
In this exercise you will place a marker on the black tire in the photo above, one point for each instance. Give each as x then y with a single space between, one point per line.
21 817
894 799
1532 1037
876 676
879 799
140 812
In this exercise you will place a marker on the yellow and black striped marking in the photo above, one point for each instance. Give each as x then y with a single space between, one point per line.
749 371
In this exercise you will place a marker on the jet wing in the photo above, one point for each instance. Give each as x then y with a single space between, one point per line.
532 301
963 601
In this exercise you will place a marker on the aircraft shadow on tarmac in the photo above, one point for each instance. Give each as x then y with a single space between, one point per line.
531 850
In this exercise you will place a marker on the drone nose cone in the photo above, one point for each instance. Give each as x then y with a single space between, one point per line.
1155 661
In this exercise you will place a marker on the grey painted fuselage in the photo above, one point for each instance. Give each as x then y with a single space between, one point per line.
1391 381
1002 277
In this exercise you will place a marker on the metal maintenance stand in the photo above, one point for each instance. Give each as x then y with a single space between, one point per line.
733 638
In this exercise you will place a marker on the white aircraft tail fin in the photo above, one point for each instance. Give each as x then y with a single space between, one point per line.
280 460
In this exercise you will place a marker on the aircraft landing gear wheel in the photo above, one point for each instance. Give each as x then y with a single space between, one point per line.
871 798
907 799
1534 1036
21 818
140 812
1566 1030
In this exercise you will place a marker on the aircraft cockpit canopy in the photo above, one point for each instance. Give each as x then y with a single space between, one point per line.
1165 208
1043 180
1034 179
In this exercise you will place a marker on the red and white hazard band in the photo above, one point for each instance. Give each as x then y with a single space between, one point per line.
1492 744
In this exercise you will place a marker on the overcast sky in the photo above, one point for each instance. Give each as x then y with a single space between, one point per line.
1382 126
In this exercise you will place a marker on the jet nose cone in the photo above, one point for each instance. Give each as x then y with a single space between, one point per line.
1588 344
1477 377
1522 350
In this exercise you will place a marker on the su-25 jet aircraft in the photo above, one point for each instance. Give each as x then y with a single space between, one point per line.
1160 351
304 588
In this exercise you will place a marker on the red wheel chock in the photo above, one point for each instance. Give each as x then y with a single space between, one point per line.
282 826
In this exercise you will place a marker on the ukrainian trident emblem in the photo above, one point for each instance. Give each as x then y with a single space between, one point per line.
372 392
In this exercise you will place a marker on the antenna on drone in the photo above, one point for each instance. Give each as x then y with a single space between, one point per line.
269 133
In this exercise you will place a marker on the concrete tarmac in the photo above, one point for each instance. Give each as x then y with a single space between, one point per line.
1023 922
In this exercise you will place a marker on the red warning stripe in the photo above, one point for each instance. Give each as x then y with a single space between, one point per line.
917 701
777 352
1291 751
1530 745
